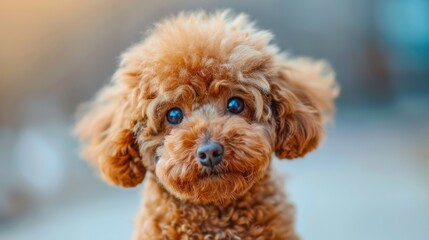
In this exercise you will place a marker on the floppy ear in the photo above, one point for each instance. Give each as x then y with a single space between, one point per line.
303 91
108 138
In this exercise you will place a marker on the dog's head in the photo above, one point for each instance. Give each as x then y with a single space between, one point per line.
202 103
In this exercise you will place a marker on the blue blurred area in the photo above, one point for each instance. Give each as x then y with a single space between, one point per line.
368 181
403 33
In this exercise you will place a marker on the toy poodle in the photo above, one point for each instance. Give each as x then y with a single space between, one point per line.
198 108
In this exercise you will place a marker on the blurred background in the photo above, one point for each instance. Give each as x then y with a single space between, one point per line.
369 180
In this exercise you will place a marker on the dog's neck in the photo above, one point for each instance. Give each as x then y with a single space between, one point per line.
264 207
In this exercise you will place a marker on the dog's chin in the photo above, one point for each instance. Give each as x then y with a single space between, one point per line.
212 187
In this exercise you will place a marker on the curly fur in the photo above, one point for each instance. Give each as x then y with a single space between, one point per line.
197 61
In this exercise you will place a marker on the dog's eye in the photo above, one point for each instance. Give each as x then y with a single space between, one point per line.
174 116
235 105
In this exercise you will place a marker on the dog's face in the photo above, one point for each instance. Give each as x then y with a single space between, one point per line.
202 103
210 141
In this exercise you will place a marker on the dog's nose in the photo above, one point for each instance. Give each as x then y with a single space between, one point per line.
210 154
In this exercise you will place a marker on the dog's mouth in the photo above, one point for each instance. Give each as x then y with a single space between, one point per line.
209 184
219 174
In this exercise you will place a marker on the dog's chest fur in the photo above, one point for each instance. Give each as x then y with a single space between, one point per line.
262 213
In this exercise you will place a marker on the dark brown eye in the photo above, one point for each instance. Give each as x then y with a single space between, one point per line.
235 105
174 116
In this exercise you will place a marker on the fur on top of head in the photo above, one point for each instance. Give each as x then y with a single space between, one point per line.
196 63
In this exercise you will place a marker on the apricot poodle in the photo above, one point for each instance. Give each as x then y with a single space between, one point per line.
198 108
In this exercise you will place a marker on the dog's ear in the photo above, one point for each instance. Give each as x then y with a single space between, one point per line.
303 91
106 132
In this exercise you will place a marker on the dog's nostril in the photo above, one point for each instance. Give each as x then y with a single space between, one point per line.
216 154
202 155
210 154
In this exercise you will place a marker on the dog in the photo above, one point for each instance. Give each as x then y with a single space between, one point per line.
198 108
